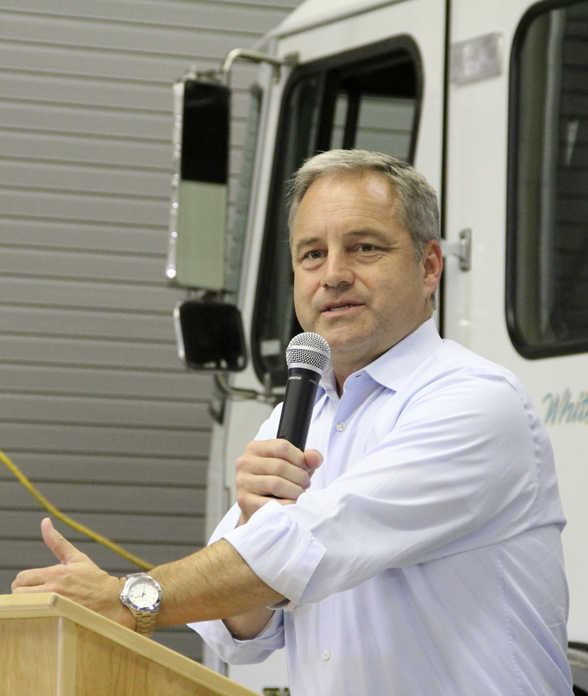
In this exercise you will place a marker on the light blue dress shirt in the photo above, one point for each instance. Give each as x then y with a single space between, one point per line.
425 558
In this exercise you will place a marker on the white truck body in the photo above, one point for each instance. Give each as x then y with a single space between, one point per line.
462 141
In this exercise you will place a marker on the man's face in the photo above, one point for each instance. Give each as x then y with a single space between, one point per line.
356 278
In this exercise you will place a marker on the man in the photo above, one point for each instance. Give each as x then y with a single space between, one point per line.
421 553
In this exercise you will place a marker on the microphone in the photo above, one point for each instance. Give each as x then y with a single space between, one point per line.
307 356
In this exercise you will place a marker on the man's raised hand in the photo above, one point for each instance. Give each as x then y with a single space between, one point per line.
76 577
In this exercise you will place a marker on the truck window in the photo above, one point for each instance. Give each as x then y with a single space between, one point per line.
547 229
366 98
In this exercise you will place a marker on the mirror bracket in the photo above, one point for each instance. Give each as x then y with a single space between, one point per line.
267 396
224 391
256 57
224 73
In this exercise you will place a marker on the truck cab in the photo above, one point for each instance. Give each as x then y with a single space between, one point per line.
487 100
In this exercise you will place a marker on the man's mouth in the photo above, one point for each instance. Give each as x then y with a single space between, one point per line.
340 307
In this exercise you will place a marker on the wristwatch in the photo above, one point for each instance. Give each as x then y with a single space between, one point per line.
142 595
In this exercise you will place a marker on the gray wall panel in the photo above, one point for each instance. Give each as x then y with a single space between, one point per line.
70 293
62 149
89 267
67 119
75 323
105 468
116 182
80 352
125 382
186 41
211 15
79 208
151 442
81 235
103 412
139 499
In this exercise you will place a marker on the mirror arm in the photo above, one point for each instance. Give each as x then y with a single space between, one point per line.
256 57
229 392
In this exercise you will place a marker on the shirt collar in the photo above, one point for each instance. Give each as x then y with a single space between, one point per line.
393 367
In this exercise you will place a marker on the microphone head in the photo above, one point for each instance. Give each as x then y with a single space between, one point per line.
308 351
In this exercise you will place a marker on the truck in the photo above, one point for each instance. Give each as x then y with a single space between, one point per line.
490 102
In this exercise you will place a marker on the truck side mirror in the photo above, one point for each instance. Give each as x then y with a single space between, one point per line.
210 336
199 185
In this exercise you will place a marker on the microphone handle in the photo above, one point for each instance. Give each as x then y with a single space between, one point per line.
298 403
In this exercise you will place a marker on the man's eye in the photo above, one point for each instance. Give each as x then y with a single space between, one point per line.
366 248
312 254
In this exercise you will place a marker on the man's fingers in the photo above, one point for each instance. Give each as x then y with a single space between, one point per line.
248 466
276 449
61 548
313 459
268 486
28 580
24 589
251 503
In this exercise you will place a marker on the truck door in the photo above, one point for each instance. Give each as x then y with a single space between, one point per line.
517 176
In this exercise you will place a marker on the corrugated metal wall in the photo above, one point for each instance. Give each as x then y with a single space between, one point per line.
94 406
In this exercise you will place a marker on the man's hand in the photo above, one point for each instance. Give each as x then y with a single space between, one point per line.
76 577
272 469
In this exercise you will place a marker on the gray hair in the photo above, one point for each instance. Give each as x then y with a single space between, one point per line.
418 210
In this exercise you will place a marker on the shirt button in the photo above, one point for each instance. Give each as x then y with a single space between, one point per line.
326 655
340 426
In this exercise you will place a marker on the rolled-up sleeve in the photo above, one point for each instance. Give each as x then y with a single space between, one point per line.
279 549
218 637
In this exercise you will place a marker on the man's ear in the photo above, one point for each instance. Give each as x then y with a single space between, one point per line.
432 265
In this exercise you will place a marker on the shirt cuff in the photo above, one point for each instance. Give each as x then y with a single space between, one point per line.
230 649
281 552
268 633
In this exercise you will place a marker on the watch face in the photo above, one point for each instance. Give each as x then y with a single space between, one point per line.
143 594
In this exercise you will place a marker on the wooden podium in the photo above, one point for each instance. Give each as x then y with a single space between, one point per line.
52 646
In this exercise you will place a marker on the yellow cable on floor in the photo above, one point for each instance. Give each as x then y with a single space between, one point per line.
68 520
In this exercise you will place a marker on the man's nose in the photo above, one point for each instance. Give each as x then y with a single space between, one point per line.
337 271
